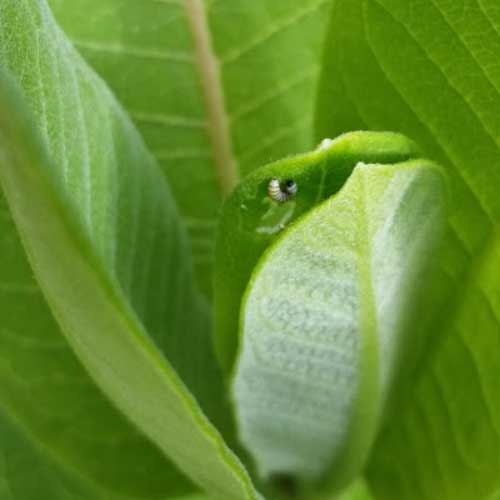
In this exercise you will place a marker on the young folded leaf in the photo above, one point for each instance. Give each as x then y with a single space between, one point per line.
324 322
251 219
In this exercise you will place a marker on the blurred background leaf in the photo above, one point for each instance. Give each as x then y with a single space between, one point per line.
266 57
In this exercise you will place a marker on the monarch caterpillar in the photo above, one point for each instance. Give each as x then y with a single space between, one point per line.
281 191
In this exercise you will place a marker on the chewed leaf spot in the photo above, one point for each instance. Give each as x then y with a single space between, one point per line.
276 217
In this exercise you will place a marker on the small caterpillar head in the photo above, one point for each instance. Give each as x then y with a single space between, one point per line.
281 191
291 187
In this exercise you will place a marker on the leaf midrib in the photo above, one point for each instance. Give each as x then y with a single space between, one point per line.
208 66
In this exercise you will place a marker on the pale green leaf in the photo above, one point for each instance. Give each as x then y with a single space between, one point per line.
324 322
104 241
429 69
217 88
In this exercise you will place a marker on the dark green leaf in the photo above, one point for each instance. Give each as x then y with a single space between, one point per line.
429 69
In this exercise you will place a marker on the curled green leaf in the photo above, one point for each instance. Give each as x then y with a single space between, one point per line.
251 221
325 321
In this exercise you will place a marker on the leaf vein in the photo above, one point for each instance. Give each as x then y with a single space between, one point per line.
452 159
273 29
208 66
484 10
273 138
139 52
276 92
466 46
168 120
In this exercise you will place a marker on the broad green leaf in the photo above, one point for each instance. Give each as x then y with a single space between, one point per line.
102 235
216 87
429 69
45 388
28 472
250 221
324 322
